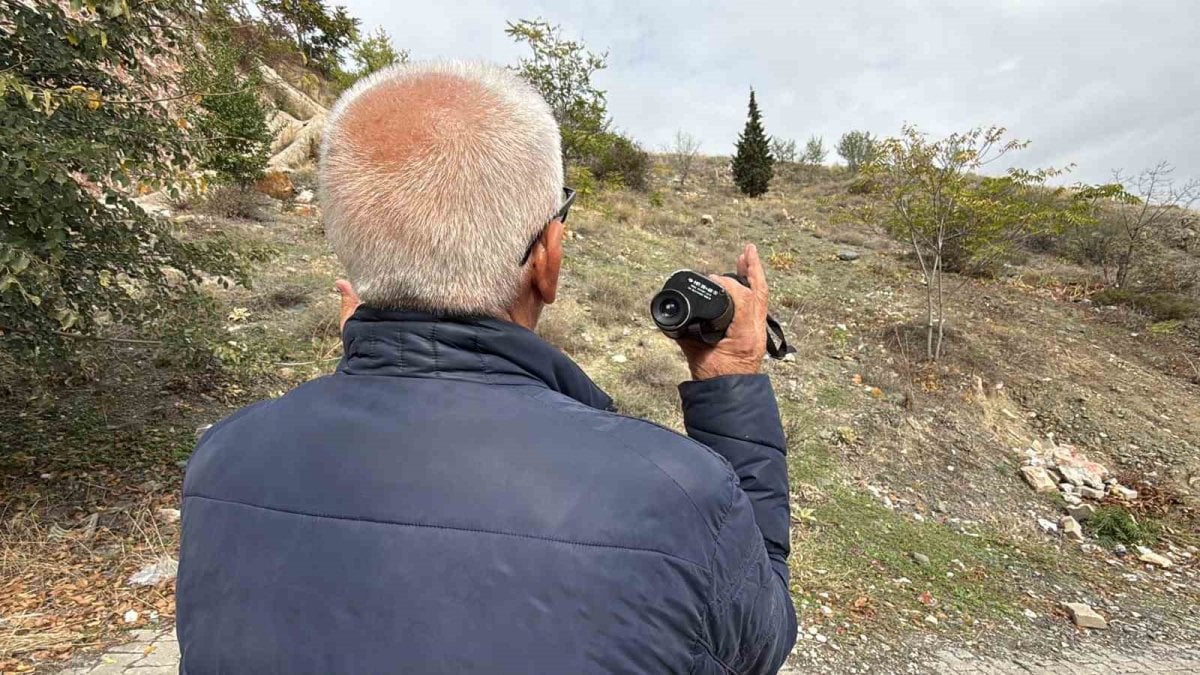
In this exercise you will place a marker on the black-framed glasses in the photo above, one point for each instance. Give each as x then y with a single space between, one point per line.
560 216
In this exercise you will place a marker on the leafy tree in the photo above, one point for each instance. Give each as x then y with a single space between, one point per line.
753 165
620 162
562 71
814 152
857 148
682 154
230 120
320 32
83 122
783 150
935 200
374 53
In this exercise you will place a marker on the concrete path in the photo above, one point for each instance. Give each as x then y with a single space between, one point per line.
157 653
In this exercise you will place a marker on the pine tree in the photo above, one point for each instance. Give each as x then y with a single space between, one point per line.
753 163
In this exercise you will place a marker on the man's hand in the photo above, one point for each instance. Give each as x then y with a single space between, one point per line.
350 301
745 343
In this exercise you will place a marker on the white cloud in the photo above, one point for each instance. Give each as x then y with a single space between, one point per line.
1101 83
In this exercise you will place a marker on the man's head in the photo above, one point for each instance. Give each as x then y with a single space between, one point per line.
434 179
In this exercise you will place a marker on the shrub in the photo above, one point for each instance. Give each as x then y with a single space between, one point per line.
1115 525
620 161
858 148
1160 306
234 201
73 245
229 120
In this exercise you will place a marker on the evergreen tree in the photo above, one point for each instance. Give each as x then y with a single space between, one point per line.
753 163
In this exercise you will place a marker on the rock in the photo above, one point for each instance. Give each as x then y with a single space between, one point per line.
1091 493
619 358
168 515
848 255
1128 494
305 197
1029 614
131 616
1066 456
156 573
1038 478
276 184
1084 616
789 357
1158 560
1119 550
1079 477
706 219
1070 527
1072 500
931 619
941 506
920 559
1046 525
1081 512
1066 488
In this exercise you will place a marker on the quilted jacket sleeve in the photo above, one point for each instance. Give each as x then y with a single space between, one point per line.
750 622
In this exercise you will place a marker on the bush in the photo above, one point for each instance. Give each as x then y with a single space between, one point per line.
1115 525
229 120
858 148
234 201
79 133
620 161
1160 306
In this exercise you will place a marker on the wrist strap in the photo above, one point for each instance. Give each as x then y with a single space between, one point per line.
777 345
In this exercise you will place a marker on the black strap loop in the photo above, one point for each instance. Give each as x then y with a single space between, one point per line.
777 345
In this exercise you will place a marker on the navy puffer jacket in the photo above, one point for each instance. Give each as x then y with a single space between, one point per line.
460 498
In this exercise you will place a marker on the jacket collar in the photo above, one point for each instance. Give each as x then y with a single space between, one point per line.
479 349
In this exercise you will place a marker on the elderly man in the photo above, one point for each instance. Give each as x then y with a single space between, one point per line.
459 497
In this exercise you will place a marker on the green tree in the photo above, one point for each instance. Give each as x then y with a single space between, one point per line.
374 53
783 150
320 32
935 200
562 71
814 152
230 119
857 148
753 165
83 122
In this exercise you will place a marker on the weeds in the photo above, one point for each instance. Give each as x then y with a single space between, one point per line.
1116 525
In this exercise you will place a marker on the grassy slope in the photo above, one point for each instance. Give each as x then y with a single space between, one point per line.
867 423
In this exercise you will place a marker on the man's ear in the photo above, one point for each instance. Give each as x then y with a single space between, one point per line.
546 262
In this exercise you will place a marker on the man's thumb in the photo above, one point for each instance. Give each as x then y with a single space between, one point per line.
350 301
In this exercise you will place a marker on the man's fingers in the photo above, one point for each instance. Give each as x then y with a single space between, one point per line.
350 301
755 272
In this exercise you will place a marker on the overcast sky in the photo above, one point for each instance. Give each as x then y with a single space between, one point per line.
1103 84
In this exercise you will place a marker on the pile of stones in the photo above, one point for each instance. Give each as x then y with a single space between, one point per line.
1052 467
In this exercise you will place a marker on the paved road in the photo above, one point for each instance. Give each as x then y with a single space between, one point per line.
157 653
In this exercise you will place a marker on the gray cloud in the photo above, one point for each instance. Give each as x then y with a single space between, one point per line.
1103 84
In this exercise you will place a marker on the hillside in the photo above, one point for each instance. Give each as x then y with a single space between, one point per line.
914 532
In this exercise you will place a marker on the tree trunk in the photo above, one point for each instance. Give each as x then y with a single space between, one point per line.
941 311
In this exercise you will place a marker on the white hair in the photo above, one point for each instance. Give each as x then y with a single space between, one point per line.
435 177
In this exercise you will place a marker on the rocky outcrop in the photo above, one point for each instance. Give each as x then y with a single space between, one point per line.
297 125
